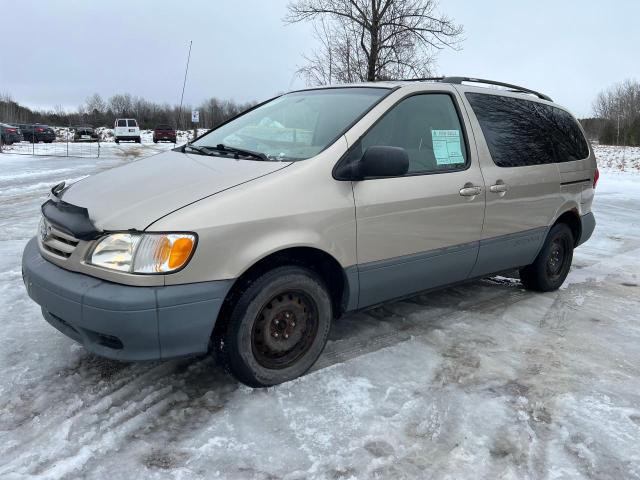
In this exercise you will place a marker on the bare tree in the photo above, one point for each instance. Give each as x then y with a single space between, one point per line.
619 106
368 40
95 103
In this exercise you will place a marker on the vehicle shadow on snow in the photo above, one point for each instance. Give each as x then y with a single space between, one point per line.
169 399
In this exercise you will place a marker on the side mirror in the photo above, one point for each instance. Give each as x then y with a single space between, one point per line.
382 161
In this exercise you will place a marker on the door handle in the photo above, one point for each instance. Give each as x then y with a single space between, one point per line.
498 188
470 191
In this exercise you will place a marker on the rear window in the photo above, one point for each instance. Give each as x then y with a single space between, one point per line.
164 127
132 123
122 123
522 132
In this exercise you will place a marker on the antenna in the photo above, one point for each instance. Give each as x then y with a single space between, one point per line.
185 81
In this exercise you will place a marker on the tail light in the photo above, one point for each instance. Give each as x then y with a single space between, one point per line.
39 130
11 130
596 177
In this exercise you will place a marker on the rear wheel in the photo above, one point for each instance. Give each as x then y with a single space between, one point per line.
117 141
277 328
551 267
138 140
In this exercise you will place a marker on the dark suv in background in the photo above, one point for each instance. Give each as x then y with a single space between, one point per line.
164 133
9 134
85 134
36 133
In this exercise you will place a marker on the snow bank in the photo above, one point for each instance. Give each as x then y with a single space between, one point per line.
618 159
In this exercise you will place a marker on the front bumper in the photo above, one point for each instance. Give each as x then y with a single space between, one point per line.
124 322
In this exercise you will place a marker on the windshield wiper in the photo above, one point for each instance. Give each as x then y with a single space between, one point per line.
200 150
240 151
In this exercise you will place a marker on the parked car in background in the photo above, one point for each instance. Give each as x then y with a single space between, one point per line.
164 133
251 240
9 134
85 134
36 133
126 129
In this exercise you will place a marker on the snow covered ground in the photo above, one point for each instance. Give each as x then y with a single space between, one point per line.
483 380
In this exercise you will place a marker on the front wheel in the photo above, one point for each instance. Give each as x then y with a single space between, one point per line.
551 267
277 328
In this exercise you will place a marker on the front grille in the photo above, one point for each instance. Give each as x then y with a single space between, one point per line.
58 243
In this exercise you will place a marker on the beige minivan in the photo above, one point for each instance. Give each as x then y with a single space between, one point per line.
252 239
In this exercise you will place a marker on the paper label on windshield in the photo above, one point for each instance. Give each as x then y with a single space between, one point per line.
447 147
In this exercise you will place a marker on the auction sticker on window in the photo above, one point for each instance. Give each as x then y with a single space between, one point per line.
447 147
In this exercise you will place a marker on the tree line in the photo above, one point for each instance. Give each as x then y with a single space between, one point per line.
97 112
616 115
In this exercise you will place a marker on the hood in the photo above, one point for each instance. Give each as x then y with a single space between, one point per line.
137 194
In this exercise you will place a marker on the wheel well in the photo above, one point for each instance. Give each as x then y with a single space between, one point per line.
572 220
323 264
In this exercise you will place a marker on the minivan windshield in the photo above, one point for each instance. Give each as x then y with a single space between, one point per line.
295 126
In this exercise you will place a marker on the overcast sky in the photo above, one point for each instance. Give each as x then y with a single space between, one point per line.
60 52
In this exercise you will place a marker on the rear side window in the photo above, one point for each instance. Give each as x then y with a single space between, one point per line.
132 123
521 132
568 141
122 123
427 126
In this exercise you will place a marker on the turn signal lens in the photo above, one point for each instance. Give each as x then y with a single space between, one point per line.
180 252
143 252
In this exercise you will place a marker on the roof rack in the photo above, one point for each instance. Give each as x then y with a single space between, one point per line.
515 88
419 79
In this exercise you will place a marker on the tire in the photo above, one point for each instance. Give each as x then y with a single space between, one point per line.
277 327
117 141
155 141
551 267
138 140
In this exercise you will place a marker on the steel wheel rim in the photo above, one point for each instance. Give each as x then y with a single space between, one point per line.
284 329
556 262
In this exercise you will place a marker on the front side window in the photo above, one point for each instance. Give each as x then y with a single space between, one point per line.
427 126
295 126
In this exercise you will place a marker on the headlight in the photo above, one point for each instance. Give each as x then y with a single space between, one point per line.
143 252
